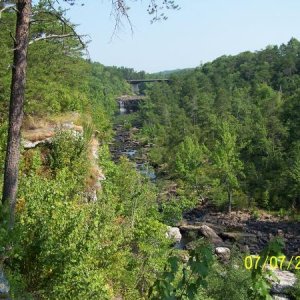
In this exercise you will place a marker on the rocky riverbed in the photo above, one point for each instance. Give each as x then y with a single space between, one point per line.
242 229
125 144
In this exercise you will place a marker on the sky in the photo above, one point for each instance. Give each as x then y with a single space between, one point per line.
200 31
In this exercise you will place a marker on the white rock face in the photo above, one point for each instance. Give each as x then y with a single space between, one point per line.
223 253
174 234
29 145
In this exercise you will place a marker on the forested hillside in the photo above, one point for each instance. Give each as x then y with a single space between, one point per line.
229 129
90 225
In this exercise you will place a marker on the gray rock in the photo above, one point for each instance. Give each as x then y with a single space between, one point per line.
29 145
223 253
203 230
285 280
239 236
174 234
280 297
210 234
4 286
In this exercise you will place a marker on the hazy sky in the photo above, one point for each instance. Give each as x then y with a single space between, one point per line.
199 32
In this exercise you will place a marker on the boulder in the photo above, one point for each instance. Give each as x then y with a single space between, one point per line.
203 230
223 253
210 234
285 280
174 234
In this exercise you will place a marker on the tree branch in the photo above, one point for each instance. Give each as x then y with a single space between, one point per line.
65 22
119 11
52 36
13 38
6 8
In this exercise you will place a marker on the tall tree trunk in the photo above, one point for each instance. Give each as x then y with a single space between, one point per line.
11 169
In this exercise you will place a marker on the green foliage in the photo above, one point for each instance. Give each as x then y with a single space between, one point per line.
64 247
295 291
243 110
65 149
189 158
260 281
3 136
228 129
226 161
58 79
172 209
182 280
56 240
231 281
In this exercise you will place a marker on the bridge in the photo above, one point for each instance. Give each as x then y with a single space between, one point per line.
135 83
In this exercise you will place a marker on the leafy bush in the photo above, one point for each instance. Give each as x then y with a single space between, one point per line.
229 281
65 149
182 280
66 248
172 209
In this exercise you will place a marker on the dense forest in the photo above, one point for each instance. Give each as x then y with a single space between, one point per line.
228 129
89 226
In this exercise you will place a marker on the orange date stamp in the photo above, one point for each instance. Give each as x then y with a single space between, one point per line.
280 262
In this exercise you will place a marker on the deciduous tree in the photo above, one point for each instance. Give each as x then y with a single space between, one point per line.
227 163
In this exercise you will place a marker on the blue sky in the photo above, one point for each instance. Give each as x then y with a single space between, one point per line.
200 31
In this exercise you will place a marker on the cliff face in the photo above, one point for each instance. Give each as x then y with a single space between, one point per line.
40 133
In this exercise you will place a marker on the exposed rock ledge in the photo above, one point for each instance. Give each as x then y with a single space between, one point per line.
44 134
37 136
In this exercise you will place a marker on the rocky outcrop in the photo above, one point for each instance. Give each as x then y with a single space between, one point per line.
210 234
37 136
44 134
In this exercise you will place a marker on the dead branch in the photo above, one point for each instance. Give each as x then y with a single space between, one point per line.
6 8
52 36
